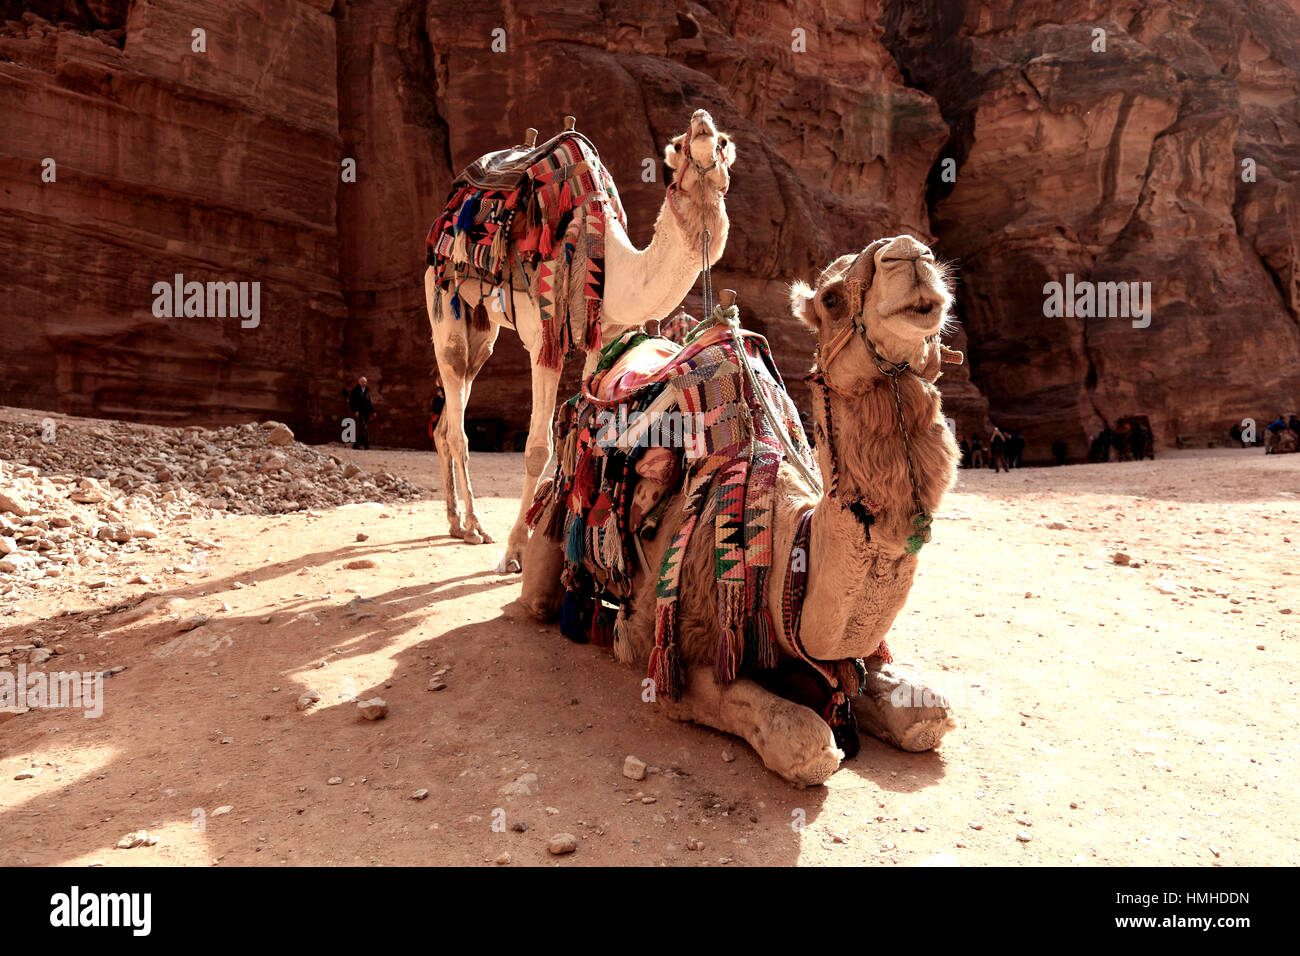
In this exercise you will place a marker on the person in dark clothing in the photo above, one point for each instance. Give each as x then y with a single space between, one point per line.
976 453
998 451
1015 448
1294 424
364 409
1137 442
1059 451
965 453
436 405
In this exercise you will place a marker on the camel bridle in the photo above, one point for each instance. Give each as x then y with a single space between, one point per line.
864 507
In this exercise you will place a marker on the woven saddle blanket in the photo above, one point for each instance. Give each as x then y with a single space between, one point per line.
533 221
653 420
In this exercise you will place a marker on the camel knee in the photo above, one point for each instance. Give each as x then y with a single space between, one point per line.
535 458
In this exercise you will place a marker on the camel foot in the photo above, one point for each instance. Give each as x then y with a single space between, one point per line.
510 562
790 739
902 710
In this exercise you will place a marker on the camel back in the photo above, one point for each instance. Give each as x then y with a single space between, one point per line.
653 421
532 220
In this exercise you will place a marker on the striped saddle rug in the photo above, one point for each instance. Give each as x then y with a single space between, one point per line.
655 419
534 221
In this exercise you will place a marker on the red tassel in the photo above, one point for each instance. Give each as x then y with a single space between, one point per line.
594 342
882 654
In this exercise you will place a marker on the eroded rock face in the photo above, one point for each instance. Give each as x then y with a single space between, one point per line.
1118 164
225 165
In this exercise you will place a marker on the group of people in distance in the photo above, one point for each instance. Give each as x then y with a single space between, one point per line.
1002 454
1280 436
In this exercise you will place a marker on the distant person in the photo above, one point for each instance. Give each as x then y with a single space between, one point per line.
1059 451
965 453
1015 448
1235 434
976 453
998 450
1294 424
364 409
1137 443
436 405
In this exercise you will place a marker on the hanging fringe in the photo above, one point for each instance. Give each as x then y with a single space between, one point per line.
573 548
760 638
623 637
460 248
593 325
611 544
602 626
570 617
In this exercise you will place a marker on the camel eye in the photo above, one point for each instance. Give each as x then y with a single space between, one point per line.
831 301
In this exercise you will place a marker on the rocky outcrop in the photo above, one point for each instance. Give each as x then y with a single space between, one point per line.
235 164
1106 142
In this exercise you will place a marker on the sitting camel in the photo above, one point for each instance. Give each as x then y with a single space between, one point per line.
885 459
638 285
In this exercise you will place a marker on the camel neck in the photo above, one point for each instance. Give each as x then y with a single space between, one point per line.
650 283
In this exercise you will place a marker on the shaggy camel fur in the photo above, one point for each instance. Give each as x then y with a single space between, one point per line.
640 285
857 582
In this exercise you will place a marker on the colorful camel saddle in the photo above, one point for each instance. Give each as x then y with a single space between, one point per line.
531 220
655 419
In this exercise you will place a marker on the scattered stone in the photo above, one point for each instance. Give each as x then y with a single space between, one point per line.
519 826
977 826
376 708
280 434
14 504
1119 557
502 860
307 700
139 838
361 564
1023 836
633 768
437 684
420 794
728 756
522 786
562 843
695 844
333 781
362 537
190 623
28 774
222 811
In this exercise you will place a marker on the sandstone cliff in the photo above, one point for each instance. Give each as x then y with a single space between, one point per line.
226 165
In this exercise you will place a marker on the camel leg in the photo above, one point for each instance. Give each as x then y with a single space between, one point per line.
791 740
541 594
537 455
448 476
901 710
481 343
451 346
461 353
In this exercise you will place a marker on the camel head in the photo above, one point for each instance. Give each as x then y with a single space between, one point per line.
895 292
701 158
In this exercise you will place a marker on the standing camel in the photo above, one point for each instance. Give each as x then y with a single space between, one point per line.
885 458
639 285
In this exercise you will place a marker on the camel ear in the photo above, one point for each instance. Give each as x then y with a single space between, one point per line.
673 152
801 296
728 149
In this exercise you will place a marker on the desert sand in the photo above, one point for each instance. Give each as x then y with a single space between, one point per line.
1109 713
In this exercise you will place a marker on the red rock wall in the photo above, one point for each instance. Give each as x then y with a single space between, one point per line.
225 165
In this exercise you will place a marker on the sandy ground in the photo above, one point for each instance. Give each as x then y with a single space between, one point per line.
1107 721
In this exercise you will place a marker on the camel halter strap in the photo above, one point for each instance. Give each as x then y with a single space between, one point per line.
719 157
921 517
730 316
